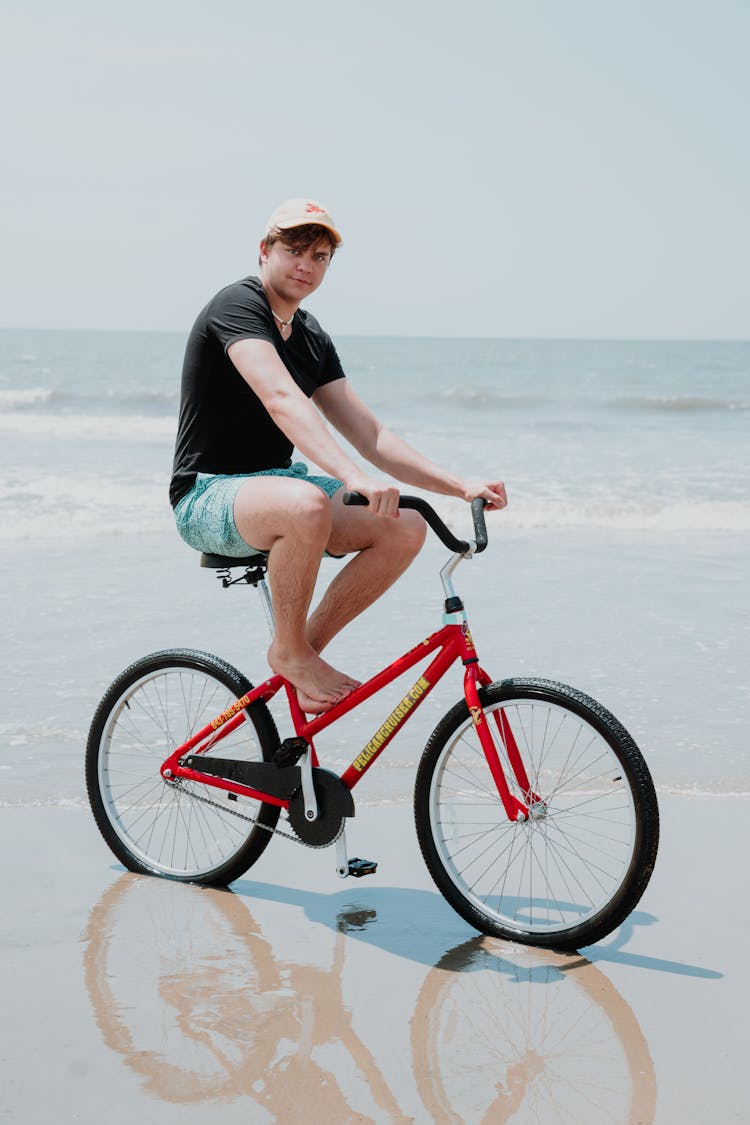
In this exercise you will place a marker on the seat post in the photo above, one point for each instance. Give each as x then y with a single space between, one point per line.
255 566
265 598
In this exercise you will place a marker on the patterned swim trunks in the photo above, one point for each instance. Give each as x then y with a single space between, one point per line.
205 515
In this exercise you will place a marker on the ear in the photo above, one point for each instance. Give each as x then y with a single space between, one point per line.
263 253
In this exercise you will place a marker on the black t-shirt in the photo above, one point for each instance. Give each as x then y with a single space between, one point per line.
223 425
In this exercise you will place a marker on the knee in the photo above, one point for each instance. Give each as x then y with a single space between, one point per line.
311 513
411 532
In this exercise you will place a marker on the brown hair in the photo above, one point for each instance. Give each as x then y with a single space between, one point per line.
300 238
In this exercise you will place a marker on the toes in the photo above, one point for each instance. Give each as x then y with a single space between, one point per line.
315 706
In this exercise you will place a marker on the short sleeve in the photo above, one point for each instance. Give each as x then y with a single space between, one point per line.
331 368
239 313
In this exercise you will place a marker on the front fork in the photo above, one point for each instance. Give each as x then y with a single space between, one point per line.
476 677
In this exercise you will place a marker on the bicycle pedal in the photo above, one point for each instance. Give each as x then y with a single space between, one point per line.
289 752
360 867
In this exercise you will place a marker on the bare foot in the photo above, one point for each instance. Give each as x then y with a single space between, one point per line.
319 686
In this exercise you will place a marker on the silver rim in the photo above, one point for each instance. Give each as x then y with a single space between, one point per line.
566 863
171 827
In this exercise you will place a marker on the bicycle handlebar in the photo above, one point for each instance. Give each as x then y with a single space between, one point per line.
430 516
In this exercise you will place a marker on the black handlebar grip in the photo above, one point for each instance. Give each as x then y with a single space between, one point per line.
480 527
428 513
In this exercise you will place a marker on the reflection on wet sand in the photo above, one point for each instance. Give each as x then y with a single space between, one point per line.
217 1017
186 987
552 1040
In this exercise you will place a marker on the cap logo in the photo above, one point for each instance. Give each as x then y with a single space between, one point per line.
314 209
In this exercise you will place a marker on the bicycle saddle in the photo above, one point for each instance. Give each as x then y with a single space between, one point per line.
223 562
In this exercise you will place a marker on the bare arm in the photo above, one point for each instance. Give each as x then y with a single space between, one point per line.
260 366
387 451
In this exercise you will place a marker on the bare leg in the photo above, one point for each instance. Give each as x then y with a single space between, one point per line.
385 548
292 521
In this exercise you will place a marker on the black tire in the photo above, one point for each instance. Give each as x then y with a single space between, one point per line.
571 873
181 830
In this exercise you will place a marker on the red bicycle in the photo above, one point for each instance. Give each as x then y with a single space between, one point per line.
535 811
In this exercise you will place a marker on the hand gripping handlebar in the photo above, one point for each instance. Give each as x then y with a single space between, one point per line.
444 534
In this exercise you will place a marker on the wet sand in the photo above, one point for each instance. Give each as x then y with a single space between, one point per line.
297 996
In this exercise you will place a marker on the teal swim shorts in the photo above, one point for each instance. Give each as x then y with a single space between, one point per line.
205 515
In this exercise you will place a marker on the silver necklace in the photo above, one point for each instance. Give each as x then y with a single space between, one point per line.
283 323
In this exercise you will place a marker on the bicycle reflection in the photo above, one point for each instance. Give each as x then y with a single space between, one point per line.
186 987
552 1040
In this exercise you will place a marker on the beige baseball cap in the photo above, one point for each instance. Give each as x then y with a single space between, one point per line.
302 213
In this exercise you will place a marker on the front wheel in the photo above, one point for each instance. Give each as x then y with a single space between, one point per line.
575 869
181 829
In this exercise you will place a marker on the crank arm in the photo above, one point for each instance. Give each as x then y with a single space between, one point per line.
308 789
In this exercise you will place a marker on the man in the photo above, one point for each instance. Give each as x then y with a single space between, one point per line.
259 378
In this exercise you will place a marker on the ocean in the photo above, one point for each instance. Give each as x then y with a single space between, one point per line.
620 565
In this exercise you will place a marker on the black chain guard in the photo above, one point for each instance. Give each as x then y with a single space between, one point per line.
335 802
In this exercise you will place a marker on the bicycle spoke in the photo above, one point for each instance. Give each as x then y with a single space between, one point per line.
180 828
567 860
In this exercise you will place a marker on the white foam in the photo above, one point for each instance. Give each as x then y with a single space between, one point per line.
66 507
57 801
58 508
704 793
23 733
46 803
679 403
615 515
123 426
717 515
24 396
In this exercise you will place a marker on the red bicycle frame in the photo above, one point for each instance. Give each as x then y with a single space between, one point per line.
452 642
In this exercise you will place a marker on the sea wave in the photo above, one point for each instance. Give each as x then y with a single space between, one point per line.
95 426
131 400
64 509
169 396
730 789
68 506
11 397
471 395
677 403
23 734
721 791
51 802
87 526
722 515
617 515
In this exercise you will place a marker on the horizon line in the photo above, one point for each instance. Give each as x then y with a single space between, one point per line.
614 339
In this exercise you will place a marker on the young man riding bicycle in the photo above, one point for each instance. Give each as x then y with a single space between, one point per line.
261 377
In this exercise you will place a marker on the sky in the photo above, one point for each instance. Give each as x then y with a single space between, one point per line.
503 169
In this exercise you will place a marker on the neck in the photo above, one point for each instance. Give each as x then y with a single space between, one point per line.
282 308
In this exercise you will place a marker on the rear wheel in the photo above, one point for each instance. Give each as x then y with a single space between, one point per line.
575 869
180 829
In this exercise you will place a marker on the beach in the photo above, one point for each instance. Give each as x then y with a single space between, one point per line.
299 996
370 999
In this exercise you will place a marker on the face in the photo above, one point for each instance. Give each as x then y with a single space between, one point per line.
290 274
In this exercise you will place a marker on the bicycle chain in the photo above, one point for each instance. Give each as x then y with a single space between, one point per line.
253 820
